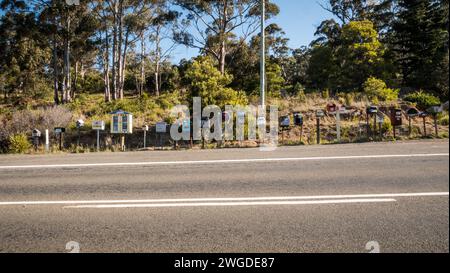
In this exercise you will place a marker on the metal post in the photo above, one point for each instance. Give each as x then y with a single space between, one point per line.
381 131
263 54
60 141
424 126
301 133
410 126
338 125
47 141
318 130
145 139
122 142
98 140
436 131
368 126
374 127
78 140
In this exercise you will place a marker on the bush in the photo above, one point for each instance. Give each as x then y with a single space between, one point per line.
376 90
387 126
24 121
443 120
205 81
422 100
19 144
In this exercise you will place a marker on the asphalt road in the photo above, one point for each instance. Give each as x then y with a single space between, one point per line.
294 199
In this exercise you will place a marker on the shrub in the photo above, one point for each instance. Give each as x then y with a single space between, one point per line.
205 81
376 90
387 125
422 100
443 120
19 144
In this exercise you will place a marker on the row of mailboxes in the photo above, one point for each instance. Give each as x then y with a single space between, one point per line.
285 121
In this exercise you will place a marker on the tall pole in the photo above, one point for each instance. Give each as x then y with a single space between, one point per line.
263 54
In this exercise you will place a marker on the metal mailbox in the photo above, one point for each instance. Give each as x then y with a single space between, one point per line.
285 122
59 130
396 117
80 123
36 133
320 113
412 112
434 110
298 119
372 110
331 107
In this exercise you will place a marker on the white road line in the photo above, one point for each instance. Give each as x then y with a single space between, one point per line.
233 204
229 161
238 199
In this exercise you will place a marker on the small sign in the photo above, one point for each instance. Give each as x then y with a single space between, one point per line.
98 125
161 127
59 130
145 128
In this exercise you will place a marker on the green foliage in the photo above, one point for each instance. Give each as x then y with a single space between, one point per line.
19 144
376 90
421 44
325 94
387 125
422 100
443 120
275 80
359 55
206 81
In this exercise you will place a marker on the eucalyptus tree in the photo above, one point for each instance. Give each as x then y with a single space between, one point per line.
213 24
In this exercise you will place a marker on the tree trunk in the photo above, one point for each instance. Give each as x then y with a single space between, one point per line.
142 76
75 80
158 61
114 52
55 71
122 66
106 67
67 80
223 50
119 51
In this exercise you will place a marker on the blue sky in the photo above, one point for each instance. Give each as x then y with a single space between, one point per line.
298 18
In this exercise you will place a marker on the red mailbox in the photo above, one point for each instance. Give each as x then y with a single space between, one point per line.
331 107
